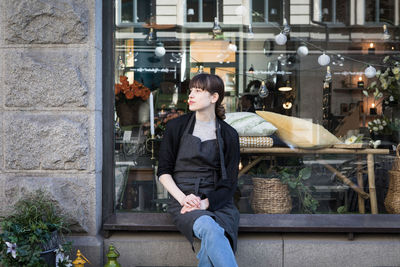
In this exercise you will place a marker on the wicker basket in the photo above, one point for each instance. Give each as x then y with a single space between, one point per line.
396 162
392 199
256 141
270 196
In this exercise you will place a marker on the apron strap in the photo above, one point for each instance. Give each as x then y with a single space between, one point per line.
221 152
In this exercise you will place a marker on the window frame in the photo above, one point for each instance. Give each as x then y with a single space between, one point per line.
280 223
118 14
334 7
377 17
266 21
201 23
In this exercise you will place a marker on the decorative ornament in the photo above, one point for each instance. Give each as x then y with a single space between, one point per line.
324 59
280 39
263 92
160 50
370 72
302 51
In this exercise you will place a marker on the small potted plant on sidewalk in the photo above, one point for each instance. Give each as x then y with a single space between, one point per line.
33 232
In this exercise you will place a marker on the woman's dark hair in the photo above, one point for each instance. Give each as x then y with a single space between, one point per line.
213 84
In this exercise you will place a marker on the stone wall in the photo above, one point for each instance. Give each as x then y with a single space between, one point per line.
50 108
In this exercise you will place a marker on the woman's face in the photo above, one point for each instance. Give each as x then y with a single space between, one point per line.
200 99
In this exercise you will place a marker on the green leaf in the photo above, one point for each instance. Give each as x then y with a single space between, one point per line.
305 173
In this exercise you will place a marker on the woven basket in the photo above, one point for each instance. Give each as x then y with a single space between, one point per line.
392 199
270 196
396 162
256 141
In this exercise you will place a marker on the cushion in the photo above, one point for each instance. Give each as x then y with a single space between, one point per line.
300 132
249 124
256 141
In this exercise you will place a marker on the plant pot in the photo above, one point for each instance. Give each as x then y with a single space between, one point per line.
49 257
134 112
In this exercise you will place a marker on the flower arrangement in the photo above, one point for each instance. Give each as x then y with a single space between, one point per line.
160 121
124 90
34 227
387 87
380 126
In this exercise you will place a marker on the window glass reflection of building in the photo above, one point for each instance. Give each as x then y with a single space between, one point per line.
132 11
380 11
201 10
265 11
334 11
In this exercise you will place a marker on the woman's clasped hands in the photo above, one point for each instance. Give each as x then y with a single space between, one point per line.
192 202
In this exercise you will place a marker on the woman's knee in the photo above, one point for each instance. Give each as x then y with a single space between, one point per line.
207 226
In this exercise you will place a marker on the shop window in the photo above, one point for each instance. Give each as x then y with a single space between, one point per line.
334 11
129 12
202 10
379 11
313 102
266 11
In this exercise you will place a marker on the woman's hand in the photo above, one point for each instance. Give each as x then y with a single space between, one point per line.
203 206
191 201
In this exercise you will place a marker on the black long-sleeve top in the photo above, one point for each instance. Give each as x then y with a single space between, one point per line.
169 149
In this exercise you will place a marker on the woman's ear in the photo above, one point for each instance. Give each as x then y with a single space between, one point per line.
214 98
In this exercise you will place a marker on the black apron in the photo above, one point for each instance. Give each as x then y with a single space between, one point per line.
197 170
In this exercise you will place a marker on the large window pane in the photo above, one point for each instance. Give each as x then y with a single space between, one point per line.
292 170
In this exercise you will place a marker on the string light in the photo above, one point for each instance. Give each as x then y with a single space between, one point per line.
370 72
232 47
324 59
160 50
302 51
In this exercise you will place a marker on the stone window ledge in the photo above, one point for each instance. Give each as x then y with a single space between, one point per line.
349 223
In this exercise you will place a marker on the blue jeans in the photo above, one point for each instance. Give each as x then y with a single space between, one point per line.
215 248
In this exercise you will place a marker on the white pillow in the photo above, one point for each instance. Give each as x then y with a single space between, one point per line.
249 124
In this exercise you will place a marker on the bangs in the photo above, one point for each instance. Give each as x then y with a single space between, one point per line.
201 81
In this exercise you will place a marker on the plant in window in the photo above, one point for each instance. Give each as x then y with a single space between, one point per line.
128 101
125 91
34 227
380 126
387 87
295 178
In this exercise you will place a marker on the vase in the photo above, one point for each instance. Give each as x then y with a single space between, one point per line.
49 257
134 112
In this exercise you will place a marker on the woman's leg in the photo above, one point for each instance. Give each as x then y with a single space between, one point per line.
215 248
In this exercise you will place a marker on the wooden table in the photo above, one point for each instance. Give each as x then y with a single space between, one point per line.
360 152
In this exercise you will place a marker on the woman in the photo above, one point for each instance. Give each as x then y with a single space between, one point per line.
198 165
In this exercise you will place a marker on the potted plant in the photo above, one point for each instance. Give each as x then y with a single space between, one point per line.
32 232
295 178
274 186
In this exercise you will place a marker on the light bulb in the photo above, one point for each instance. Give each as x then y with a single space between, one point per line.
372 105
371 45
216 28
160 50
232 47
280 39
370 72
287 105
302 51
324 59
263 92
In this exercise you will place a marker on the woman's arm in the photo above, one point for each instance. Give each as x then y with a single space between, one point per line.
189 201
